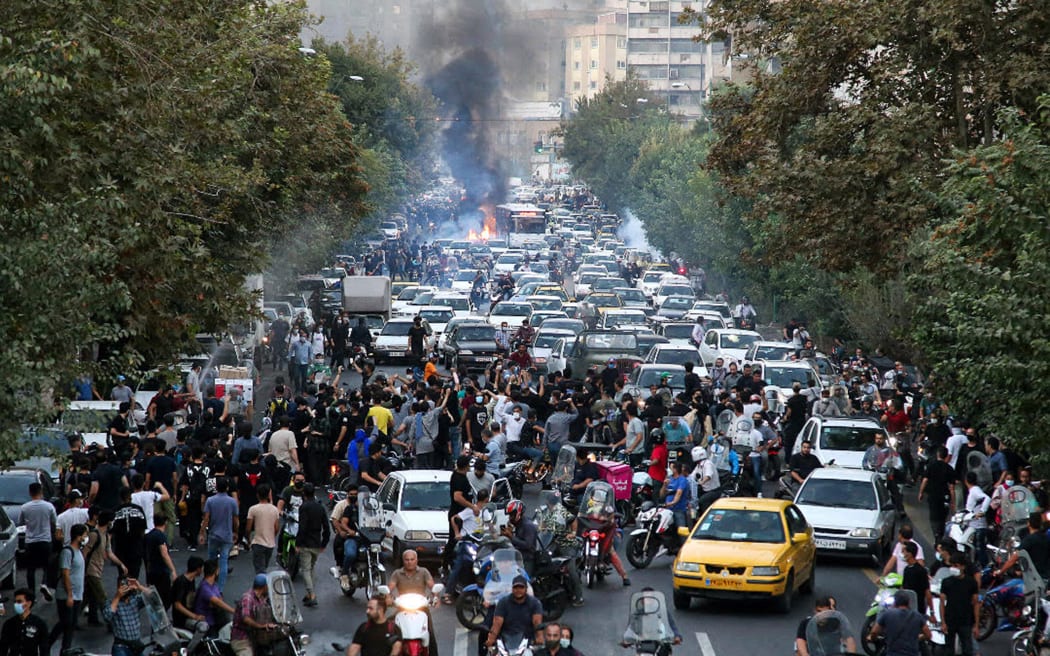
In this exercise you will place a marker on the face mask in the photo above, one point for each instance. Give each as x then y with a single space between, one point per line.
954 571
938 556
934 421
565 642
1009 482
517 415
612 366
552 644
19 608
479 400
84 543
298 484
732 395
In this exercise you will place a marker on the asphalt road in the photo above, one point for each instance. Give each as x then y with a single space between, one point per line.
708 628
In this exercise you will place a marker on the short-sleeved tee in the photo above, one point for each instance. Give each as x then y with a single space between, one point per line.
495 457
376 639
901 628
161 468
678 483
222 508
182 591
958 592
145 500
939 478
109 477
263 517
155 564
202 604
917 579
419 581
73 560
458 483
38 516
69 518
898 552
382 418
1038 547
517 617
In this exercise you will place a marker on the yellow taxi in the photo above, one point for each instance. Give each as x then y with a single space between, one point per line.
746 548
659 266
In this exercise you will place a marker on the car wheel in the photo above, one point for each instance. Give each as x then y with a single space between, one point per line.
784 601
682 601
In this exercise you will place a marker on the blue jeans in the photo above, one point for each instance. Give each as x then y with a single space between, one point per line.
461 563
349 555
756 469
220 549
530 452
120 649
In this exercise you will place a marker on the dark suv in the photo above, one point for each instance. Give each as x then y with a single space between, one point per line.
597 347
472 345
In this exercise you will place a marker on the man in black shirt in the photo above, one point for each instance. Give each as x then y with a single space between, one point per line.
106 484
803 463
373 471
183 590
127 530
960 606
24 634
460 494
377 636
417 336
916 578
794 418
937 485
118 428
1036 543
585 474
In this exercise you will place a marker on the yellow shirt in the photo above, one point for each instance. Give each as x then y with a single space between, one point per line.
382 418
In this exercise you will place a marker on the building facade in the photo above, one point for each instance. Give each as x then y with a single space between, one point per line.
594 54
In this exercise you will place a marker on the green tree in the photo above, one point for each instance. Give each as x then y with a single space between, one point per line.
985 283
841 134
149 155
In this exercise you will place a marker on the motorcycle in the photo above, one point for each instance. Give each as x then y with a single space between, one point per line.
959 529
561 475
1033 640
287 617
413 621
501 647
597 519
648 627
287 554
1002 606
1018 503
643 489
656 535
499 570
886 463
368 571
551 580
827 634
889 585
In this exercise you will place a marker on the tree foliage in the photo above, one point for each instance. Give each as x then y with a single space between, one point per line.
842 135
149 154
985 283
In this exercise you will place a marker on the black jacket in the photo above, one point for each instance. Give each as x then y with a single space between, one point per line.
314 528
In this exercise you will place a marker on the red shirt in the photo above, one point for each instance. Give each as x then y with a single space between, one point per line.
658 464
896 422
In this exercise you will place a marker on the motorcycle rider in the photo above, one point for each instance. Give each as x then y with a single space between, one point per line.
802 465
525 334
705 481
518 613
676 494
554 642
522 533
553 517
902 626
881 457
411 578
465 522
744 313
344 526
1036 543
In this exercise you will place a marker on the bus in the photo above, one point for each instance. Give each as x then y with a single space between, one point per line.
520 222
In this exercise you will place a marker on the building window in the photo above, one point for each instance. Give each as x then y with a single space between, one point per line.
621 42
660 5
577 42
576 66
576 86
594 85
594 42
621 65
594 64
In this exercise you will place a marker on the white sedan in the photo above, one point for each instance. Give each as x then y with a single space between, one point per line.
513 313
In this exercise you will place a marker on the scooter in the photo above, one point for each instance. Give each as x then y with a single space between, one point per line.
654 536
505 646
413 621
889 585
959 529
287 554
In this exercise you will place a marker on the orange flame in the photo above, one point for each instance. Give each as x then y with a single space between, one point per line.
474 235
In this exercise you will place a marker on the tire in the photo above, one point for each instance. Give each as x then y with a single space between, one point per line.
554 607
682 601
291 563
810 586
591 573
626 512
637 554
987 622
470 610
374 581
871 648
784 601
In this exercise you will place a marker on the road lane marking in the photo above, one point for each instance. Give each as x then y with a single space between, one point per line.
464 638
871 574
705 644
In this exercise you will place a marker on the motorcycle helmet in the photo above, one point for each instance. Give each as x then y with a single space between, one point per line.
657 436
698 453
515 510
867 398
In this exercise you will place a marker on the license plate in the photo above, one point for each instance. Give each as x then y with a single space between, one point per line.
824 543
719 582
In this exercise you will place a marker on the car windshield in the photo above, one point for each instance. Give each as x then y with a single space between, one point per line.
545 303
848 438
425 495
838 494
731 525
677 356
647 342
408 293
588 278
397 328
466 275
652 377
604 300
422 298
476 334
574 325
610 342
624 318
677 290
738 340
373 321
454 302
509 258
460 245
678 331
606 283
15 489
634 295
436 316
547 340
652 276
677 303
512 309
773 352
785 376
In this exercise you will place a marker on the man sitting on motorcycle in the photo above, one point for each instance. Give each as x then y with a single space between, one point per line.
705 479
554 518
344 525
525 334
676 494
253 628
522 533
361 336
802 465
463 523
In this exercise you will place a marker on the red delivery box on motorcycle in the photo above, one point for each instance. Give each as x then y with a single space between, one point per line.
618 475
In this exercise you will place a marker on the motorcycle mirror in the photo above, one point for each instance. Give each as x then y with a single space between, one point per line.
383 590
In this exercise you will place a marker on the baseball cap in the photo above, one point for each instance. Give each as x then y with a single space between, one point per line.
260 581
519 580
121 377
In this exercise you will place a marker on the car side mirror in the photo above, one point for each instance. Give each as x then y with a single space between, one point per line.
799 538
389 506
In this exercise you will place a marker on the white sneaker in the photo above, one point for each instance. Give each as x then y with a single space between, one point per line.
46 591
334 571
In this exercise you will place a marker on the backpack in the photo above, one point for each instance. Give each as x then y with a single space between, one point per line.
278 407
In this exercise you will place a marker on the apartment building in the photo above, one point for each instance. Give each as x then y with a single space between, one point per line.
594 54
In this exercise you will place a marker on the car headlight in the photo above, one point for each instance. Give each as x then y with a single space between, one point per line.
863 533
465 352
418 536
771 570
688 567
477 567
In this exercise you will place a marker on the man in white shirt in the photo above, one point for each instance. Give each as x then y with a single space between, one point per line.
146 498
283 444
955 445
896 560
977 502
75 514
698 331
